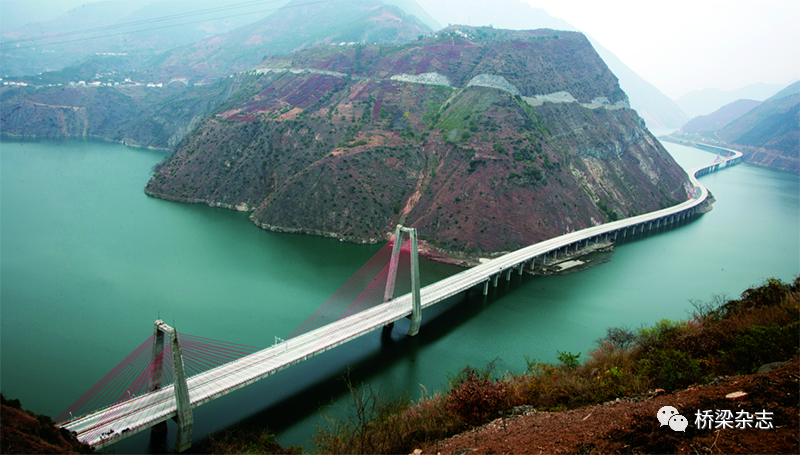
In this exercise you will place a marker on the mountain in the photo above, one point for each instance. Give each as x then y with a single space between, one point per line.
719 118
413 8
119 27
22 53
134 114
504 14
768 133
206 49
706 101
773 128
297 25
658 110
188 83
484 139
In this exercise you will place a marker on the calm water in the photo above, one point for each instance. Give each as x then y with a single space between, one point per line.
89 262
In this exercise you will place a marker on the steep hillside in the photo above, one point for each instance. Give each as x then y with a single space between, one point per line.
155 117
485 140
706 101
147 27
297 25
22 431
768 134
719 118
656 108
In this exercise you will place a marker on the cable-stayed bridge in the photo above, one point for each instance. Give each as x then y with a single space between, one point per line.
170 374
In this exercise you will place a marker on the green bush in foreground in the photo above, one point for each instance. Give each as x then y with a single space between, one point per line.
721 337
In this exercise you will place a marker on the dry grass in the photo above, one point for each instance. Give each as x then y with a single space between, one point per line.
720 338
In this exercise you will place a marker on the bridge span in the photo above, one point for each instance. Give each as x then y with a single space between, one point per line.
110 424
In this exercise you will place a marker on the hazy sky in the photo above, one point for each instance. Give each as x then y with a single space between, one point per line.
682 45
677 45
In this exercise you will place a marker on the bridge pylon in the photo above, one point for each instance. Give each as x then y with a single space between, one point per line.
183 415
391 279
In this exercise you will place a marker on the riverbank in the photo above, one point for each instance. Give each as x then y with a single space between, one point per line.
22 431
721 346
629 425
90 137
102 238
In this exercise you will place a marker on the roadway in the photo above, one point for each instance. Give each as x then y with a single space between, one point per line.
116 422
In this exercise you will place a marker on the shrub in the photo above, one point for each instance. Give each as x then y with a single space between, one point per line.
768 294
252 440
657 335
477 398
620 337
670 369
568 359
367 425
759 345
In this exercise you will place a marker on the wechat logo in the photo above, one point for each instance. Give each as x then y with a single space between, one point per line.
670 416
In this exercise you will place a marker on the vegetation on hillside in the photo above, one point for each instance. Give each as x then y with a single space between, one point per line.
337 147
720 338
767 133
22 431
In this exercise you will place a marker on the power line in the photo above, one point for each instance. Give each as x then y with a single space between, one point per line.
7 45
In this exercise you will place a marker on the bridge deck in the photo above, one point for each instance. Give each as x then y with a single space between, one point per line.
142 412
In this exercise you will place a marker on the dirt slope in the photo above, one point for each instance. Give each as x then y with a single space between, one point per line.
631 426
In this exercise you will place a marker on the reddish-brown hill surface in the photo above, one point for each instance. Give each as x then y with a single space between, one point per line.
631 426
325 142
24 432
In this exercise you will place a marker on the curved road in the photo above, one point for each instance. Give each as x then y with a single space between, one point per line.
116 422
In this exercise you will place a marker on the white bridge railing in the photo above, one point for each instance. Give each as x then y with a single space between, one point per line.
108 425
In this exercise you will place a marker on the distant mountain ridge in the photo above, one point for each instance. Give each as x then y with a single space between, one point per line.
773 125
216 51
117 26
767 133
706 101
720 118
299 24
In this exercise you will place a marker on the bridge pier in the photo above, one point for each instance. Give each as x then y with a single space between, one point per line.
183 415
416 305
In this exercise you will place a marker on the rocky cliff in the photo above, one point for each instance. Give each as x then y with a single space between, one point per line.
485 140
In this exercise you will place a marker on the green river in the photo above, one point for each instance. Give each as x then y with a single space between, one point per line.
88 262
